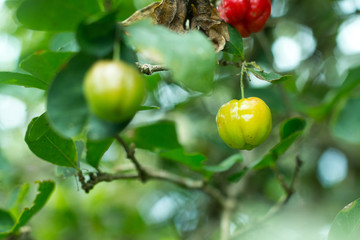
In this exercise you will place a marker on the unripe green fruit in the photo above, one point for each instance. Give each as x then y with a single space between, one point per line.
114 90
244 123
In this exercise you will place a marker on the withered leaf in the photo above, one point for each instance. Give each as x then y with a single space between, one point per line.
205 18
173 14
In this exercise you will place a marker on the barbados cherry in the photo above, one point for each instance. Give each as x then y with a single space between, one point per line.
114 90
244 123
247 16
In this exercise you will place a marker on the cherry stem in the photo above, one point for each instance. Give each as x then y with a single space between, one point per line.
116 55
117 42
242 79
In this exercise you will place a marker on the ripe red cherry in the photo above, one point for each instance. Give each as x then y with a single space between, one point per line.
247 16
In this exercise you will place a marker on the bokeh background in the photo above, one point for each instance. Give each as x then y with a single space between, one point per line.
317 42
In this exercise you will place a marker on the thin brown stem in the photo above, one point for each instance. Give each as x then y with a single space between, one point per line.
149 69
151 174
289 189
130 152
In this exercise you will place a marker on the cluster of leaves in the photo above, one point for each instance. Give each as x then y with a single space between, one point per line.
68 128
11 220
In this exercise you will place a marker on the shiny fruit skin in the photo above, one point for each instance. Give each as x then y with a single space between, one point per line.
244 123
247 16
114 90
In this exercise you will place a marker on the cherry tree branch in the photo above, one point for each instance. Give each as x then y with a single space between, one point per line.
290 190
130 152
151 174
145 173
149 69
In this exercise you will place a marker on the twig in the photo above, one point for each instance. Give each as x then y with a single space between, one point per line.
130 152
225 218
275 209
290 190
98 177
154 174
149 69
226 63
297 168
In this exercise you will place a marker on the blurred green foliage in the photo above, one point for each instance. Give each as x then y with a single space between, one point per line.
323 91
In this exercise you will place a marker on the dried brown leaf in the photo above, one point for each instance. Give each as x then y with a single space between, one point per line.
173 14
146 12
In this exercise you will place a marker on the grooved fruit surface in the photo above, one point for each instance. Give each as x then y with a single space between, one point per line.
244 123
247 16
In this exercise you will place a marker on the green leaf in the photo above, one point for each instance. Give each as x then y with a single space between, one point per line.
44 191
238 176
346 225
44 65
66 105
21 79
226 164
96 35
192 160
100 130
292 126
55 15
345 123
269 77
20 197
64 42
190 57
235 45
155 136
333 97
6 221
95 150
290 130
48 145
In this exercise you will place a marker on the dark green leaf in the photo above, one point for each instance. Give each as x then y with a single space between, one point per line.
48 145
346 225
192 160
6 221
55 15
291 126
235 45
291 129
269 77
95 150
190 57
44 65
127 53
96 35
159 135
21 79
345 123
66 104
44 191
238 176
226 164
100 130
